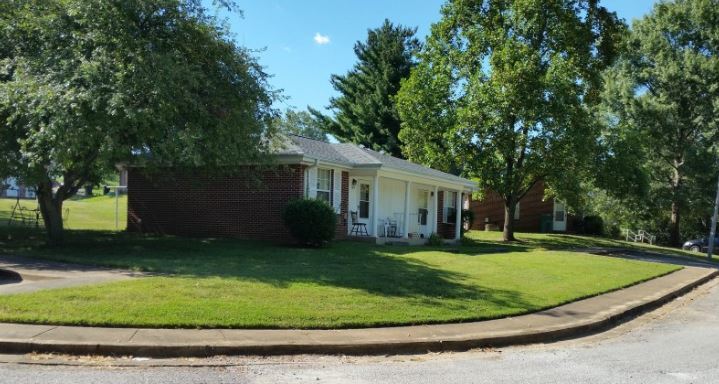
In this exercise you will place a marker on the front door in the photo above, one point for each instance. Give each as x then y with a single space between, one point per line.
423 219
560 217
364 206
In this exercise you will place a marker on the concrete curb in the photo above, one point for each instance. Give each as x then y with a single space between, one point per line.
572 320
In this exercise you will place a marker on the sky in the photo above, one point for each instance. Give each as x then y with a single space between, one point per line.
302 43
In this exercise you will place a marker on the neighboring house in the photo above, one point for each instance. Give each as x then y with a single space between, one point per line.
534 213
390 196
11 188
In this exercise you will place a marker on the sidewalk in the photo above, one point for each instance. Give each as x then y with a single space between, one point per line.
571 320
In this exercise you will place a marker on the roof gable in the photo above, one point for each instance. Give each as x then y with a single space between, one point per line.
352 155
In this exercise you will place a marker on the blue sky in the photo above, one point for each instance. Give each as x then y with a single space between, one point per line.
304 42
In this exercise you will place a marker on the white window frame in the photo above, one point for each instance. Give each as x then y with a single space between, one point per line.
328 190
450 201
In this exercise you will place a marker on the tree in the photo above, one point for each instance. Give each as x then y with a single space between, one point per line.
503 89
365 111
664 90
300 123
85 84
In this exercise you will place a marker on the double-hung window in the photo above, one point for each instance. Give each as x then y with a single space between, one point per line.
324 185
450 207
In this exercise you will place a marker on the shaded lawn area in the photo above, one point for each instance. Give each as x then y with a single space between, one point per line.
242 284
492 241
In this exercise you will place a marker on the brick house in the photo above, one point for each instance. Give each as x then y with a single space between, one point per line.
11 188
534 213
393 199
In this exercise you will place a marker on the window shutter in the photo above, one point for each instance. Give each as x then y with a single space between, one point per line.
337 190
312 182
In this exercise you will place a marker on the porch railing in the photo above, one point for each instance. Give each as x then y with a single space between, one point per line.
640 236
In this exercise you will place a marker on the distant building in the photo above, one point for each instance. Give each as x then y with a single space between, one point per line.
11 188
534 213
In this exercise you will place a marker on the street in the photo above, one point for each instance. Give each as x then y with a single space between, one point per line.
678 343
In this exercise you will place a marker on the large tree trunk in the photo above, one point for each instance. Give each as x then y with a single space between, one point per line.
509 207
674 234
51 210
674 219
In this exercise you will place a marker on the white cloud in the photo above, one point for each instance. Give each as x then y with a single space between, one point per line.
321 39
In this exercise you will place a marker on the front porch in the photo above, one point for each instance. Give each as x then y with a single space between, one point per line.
394 208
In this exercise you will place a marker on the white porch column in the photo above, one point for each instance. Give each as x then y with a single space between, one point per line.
458 217
407 186
436 208
375 205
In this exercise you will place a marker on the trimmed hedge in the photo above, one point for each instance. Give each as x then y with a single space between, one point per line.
311 222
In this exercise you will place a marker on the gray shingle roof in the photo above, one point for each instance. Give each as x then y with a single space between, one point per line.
355 156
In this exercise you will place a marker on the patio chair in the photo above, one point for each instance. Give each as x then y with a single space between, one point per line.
358 229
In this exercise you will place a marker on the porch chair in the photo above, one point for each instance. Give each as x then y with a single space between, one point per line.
358 229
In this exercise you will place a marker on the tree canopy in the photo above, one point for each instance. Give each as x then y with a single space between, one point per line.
300 123
663 98
503 90
85 84
365 111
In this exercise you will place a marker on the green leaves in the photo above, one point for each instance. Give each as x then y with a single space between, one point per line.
300 123
85 84
662 99
503 92
365 112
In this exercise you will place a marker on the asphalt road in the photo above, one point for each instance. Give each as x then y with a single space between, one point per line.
679 343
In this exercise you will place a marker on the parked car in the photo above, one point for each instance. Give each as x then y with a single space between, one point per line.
700 245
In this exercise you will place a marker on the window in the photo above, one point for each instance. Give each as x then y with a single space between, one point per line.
559 213
324 185
516 212
450 207
364 201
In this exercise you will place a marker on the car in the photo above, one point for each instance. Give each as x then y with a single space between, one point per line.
700 245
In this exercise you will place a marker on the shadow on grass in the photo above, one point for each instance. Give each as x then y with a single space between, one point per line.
374 269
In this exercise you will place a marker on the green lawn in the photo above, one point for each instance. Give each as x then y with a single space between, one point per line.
95 213
242 284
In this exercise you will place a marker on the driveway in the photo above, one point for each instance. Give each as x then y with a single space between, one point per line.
37 275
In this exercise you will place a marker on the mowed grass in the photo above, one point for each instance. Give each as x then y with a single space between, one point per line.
240 284
93 213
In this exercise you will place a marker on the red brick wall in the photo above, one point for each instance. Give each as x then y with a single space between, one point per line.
194 204
531 208
443 229
342 218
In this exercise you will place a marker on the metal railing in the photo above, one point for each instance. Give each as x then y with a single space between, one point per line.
640 236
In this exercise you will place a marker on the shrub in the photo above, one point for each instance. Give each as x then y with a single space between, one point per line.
593 225
311 222
434 240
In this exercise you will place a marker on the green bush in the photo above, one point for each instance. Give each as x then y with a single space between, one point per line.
434 240
593 225
311 222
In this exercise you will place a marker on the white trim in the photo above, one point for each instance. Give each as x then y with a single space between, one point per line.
405 224
374 203
458 217
435 199
387 171
422 179
559 225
